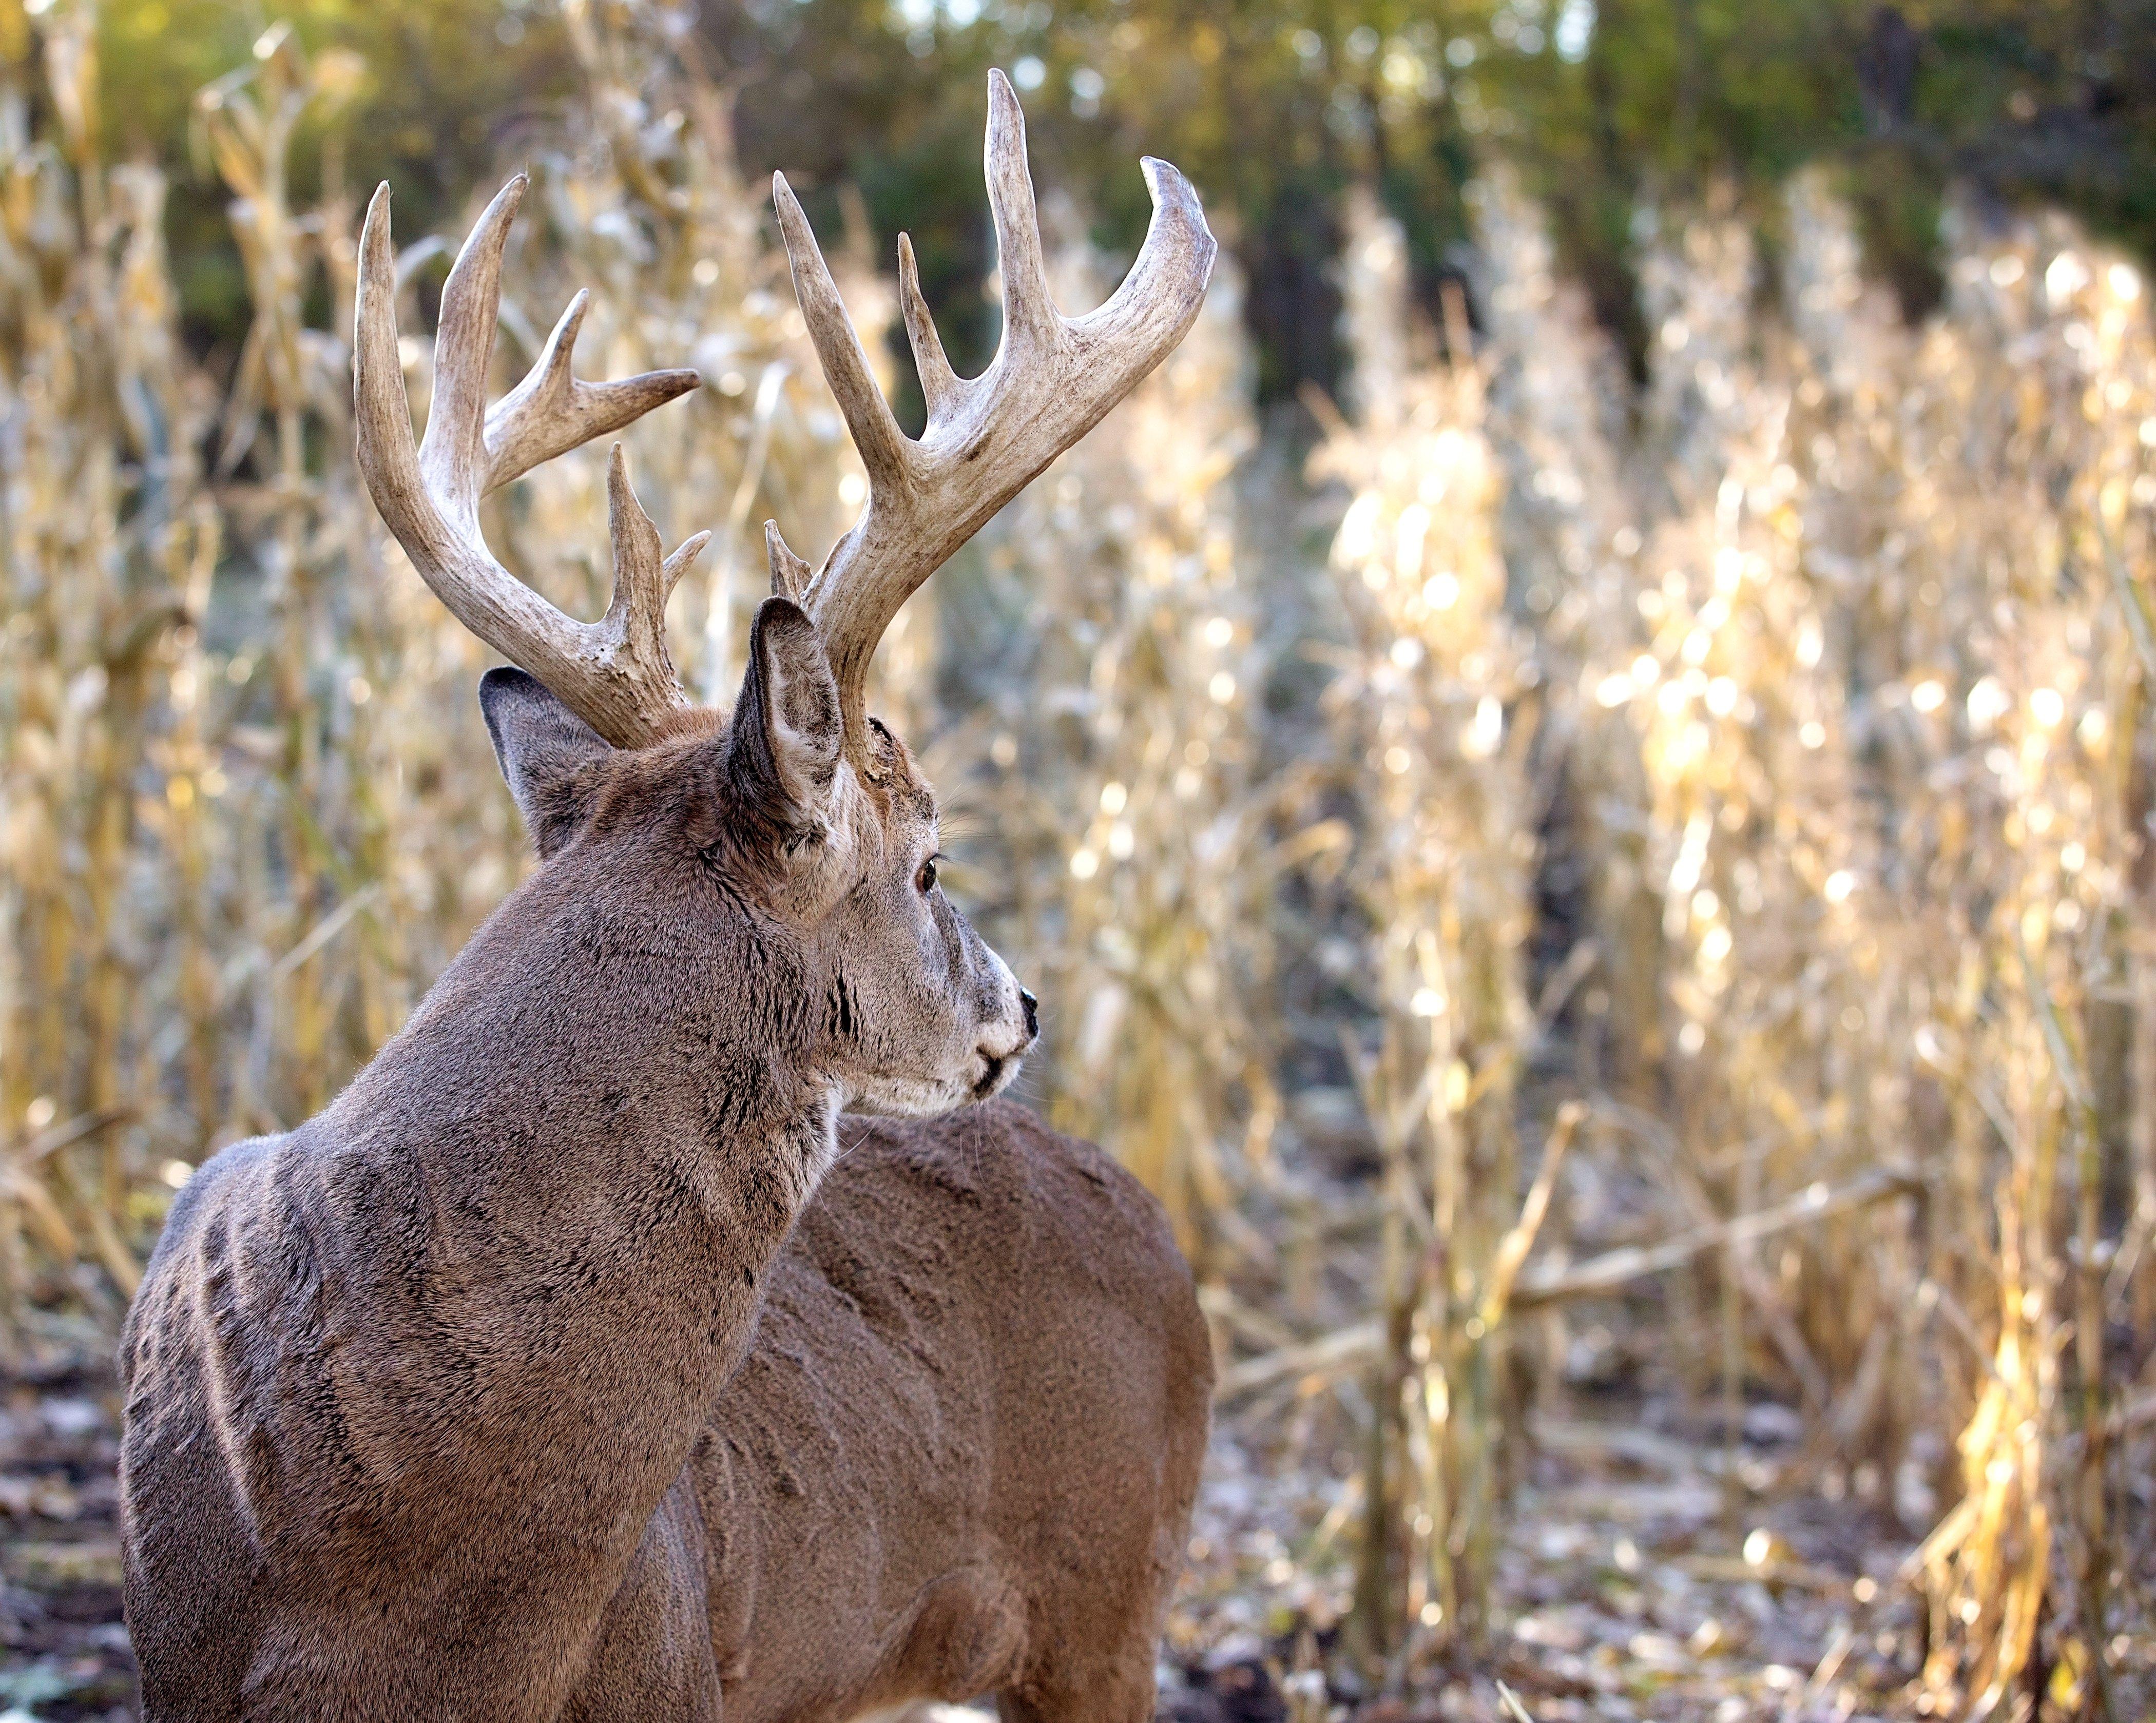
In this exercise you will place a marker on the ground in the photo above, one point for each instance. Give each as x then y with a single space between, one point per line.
63 1648
1634 1583
1647 1572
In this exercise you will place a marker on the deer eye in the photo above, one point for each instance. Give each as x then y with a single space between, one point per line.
925 879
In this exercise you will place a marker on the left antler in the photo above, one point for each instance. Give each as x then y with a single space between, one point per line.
987 437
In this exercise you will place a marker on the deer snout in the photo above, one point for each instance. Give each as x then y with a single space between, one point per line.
1009 1034
1006 1038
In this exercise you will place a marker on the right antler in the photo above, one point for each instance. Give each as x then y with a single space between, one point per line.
987 437
613 674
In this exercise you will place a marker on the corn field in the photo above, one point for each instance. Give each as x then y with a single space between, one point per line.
1571 871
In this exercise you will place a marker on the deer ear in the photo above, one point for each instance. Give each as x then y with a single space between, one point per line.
783 753
550 756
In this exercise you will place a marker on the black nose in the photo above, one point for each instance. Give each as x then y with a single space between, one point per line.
1032 1013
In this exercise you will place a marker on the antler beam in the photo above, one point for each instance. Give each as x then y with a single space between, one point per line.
613 674
987 437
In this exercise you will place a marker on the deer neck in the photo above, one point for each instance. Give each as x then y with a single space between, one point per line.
587 1084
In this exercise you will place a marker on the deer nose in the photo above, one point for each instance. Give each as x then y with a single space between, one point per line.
1032 1014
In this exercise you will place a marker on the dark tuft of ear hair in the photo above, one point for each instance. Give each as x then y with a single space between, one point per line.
550 756
783 755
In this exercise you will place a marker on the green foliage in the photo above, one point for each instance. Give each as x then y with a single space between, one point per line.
1275 107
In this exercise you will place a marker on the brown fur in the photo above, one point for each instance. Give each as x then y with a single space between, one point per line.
508 1387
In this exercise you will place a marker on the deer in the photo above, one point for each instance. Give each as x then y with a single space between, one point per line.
671 1321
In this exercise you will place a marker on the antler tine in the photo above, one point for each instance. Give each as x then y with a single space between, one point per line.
680 562
553 411
790 575
453 453
939 383
1053 379
875 433
1160 295
637 612
389 459
613 674
1029 314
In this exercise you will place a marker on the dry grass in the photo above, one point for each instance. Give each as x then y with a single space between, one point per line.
1719 798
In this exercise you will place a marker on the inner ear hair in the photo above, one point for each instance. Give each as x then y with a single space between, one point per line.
553 760
784 754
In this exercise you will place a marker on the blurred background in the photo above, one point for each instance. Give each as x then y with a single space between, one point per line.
1574 773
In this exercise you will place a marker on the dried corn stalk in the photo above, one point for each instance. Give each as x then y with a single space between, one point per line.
1131 822
1430 714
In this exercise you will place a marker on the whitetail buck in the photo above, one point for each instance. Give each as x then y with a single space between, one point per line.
527 1381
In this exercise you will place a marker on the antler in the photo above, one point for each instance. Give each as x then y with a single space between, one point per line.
987 437
613 674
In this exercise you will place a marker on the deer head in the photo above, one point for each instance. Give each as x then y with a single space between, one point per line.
799 812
